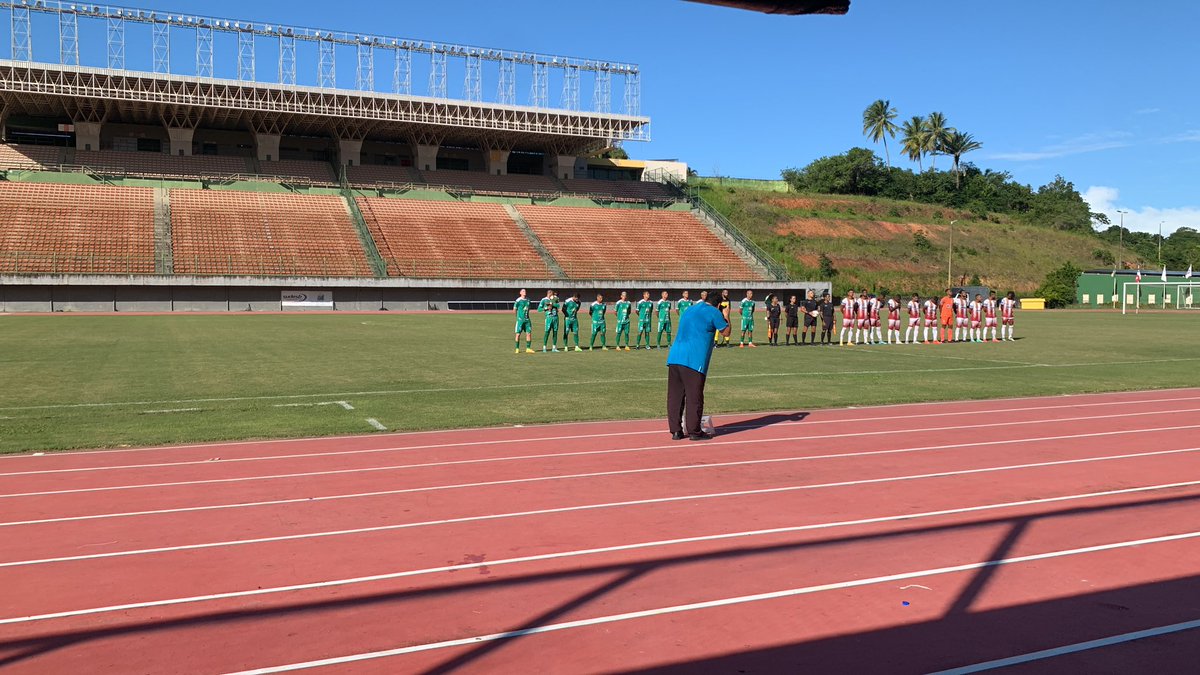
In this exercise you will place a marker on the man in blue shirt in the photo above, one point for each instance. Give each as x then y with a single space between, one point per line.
687 366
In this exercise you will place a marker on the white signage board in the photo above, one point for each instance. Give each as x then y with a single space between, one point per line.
308 298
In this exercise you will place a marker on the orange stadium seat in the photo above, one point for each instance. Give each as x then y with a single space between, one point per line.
306 170
450 239
378 174
28 156
221 232
620 189
161 165
480 182
76 229
594 243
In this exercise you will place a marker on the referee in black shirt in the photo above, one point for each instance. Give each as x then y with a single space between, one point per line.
792 310
825 307
810 317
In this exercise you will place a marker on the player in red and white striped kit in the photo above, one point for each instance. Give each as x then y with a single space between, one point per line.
914 321
874 330
989 316
862 322
976 318
1008 307
960 316
893 334
849 314
931 321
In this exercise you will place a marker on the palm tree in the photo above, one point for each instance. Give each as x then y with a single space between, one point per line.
956 145
938 130
915 139
878 124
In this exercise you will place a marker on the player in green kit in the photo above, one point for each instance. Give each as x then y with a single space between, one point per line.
747 306
622 308
599 325
521 309
683 303
664 307
571 320
645 309
549 305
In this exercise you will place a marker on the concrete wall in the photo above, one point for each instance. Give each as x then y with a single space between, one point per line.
371 295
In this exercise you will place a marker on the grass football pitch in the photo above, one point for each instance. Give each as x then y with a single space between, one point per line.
112 381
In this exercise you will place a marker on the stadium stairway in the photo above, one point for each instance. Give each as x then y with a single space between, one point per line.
535 241
164 251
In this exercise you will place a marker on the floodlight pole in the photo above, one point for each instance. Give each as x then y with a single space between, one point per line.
1122 235
1160 224
950 256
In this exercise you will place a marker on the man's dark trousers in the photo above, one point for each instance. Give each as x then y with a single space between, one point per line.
685 399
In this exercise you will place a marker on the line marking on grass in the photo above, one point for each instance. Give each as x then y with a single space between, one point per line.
599 550
375 423
587 507
344 404
723 602
673 446
169 410
577 383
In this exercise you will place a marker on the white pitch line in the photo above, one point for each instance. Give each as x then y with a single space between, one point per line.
169 410
1084 400
383 493
594 551
722 602
375 424
673 446
1071 649
578 383
344 404
559 439
638 502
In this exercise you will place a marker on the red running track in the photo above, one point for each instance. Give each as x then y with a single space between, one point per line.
1055 534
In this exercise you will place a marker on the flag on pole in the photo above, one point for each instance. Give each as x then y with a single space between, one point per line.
1189 273
1114 273
1138 278
1164 274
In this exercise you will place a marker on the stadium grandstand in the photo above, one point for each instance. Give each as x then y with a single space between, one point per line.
162 161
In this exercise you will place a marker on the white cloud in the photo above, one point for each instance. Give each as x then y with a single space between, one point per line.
1104 199
1147 111
1189 136
1074 146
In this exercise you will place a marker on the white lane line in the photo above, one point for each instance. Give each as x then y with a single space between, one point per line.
586 507
169 410
673 446
381 493
1084 400
578 383
722 602
375 424
559 439
594 551
344 404
1071 649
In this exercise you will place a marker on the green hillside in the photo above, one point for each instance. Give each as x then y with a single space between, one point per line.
900 246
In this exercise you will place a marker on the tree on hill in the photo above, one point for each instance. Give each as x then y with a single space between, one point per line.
956 145
1059 205
937 129
857 172
1060 285
915 139
878 124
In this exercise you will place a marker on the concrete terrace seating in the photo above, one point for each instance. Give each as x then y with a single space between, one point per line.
379 174
27 156
316 172
595 243
160 165
620 189
76 229
223 232
428 239
478 181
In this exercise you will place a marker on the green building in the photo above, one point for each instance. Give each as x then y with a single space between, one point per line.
1105 288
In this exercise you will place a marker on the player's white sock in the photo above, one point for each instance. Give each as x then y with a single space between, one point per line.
957 333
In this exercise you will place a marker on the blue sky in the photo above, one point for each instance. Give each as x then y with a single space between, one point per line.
1105 93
